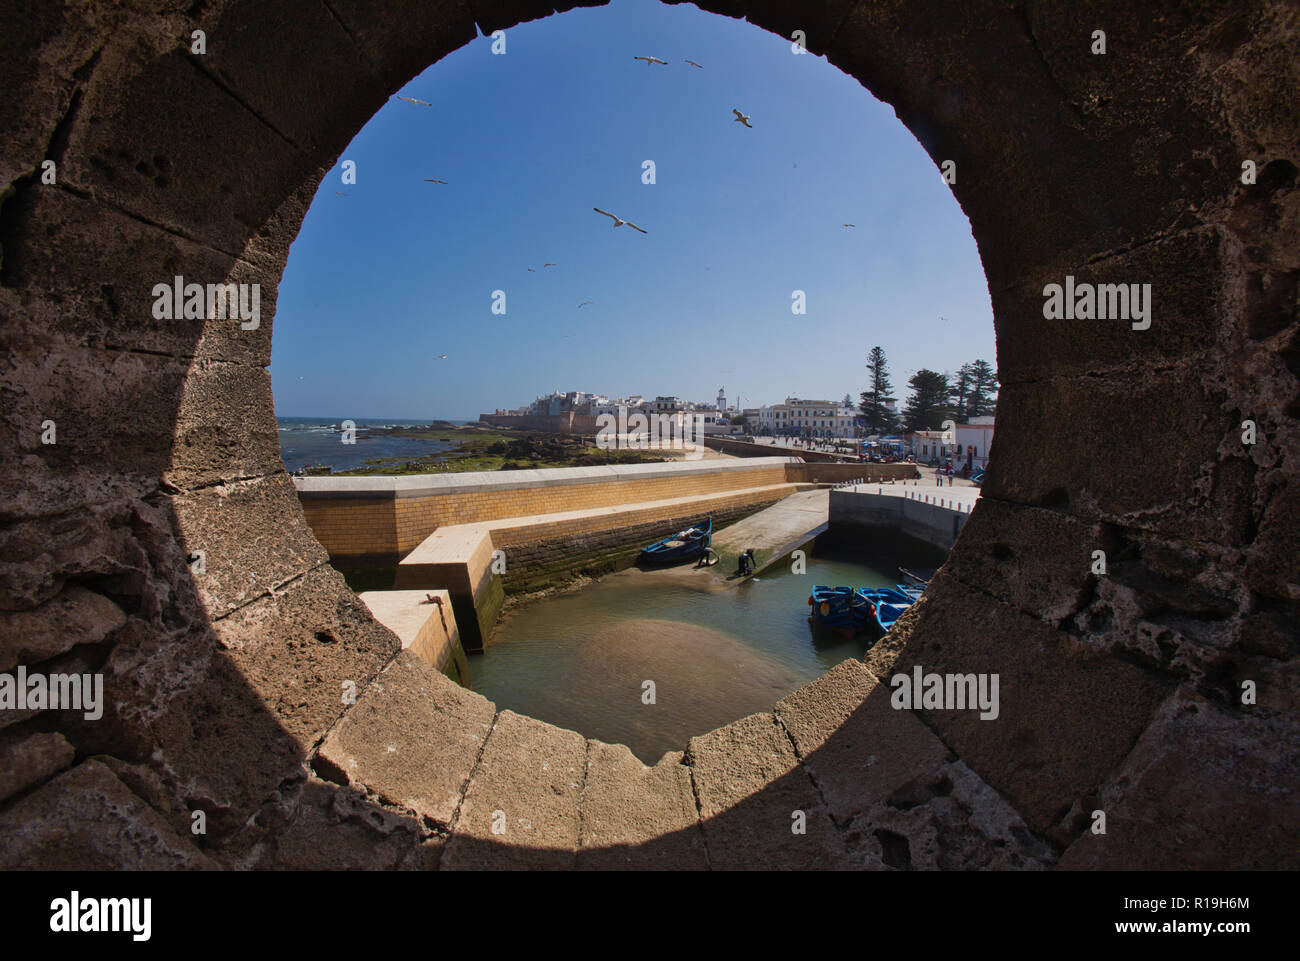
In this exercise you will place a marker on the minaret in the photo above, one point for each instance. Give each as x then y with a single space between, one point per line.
722 398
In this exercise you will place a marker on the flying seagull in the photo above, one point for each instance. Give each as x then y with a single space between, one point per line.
423 103
850 225
618 222
442 356
693 63
548 265
650 60
741 117
584 304
531 271
340 193
428 181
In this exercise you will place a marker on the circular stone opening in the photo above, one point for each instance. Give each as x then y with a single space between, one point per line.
154 538
752 226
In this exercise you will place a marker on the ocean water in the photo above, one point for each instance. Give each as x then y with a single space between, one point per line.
318 441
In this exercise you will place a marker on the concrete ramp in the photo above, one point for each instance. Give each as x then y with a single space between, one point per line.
773 532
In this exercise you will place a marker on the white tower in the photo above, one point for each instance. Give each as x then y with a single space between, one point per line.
722 398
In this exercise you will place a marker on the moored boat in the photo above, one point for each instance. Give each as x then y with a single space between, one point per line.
886 595
681 546
843 609
916 575
887 614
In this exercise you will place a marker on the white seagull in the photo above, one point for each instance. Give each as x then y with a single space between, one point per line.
428 181
650 60
548 265
531 271
741 117
422 103
850 225
618 222
693 64
442 356
584 304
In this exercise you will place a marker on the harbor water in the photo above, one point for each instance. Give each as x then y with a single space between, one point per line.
713 653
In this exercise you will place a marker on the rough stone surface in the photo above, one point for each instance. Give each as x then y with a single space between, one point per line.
1067 716
298 649
527 785
636 817
29 760
77 616
311 825
252 540
87 820
753 796
1188 795
856 747
411 739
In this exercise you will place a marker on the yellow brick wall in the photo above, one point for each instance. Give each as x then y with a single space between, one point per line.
355 526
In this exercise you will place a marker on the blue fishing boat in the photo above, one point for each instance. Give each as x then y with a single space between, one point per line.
842 609
918 576
887 614
886 595
888 603
681 546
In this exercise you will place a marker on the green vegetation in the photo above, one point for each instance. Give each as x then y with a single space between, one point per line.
879 417
483 449
928 406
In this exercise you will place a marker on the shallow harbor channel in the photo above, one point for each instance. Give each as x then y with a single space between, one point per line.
715 651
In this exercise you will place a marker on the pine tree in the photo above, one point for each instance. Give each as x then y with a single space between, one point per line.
929 405
961 392
982 397
875 412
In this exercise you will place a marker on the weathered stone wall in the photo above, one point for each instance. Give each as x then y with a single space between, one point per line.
935 521
1120 692
541 562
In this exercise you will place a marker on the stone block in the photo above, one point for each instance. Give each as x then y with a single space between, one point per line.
29 760
297 649
412 739
1037 560
114 420
1067 715
252 536
76 616
1099 474
87 820
1204 789
527 786
225 427
113 308
154 136
752 791
854 745
636 817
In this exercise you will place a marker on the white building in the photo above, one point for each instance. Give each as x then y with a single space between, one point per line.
807 418
970 441
973 441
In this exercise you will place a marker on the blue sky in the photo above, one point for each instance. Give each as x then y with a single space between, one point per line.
381 281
